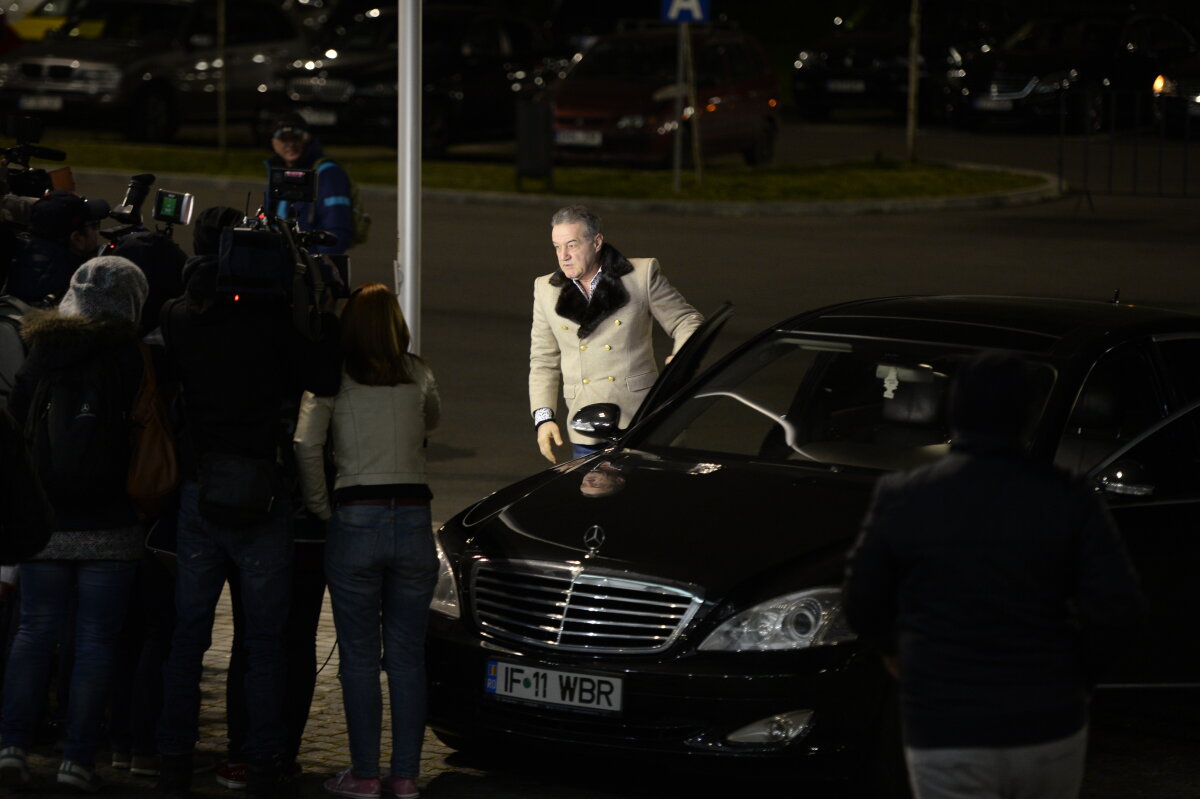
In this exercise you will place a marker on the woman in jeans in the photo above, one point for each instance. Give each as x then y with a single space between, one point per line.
83 360
380 560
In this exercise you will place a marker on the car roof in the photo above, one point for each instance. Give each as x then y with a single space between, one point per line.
1054 326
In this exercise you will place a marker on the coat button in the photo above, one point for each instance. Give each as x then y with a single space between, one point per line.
617 322
608 346
564 327
586 381
611 378
583 346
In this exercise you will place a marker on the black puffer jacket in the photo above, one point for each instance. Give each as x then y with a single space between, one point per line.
239 364
1000 584
69 345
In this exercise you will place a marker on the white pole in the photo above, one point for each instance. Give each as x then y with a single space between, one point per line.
407 266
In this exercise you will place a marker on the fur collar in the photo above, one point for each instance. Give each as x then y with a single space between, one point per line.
74 332
609 296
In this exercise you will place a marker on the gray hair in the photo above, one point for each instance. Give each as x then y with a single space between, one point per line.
571 214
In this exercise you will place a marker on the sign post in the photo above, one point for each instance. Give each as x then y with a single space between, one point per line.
683 12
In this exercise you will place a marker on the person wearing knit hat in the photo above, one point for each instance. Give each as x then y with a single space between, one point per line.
74 395
107 285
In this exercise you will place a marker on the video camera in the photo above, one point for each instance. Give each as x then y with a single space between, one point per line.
170 207
271 257
23 179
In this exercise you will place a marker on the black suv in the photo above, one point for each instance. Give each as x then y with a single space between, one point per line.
150 65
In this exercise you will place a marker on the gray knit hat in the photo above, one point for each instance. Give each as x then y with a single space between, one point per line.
107 285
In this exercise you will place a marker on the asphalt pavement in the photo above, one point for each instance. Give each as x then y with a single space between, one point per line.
479 258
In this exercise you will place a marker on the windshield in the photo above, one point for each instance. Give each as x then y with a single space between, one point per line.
641 60
1051 35
133 21
874 404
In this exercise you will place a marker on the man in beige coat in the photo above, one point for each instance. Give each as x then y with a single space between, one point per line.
592 330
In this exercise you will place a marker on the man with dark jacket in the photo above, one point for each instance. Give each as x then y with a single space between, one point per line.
65 233
239 362
331 209
991 584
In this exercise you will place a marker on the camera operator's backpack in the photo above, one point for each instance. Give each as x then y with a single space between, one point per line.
78 432
361 219
12 348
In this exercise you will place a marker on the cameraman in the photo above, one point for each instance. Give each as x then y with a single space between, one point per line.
240 362
65 233
295 147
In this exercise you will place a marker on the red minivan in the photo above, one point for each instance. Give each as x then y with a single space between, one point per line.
617 103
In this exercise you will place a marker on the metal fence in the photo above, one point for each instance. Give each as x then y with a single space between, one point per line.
1128 143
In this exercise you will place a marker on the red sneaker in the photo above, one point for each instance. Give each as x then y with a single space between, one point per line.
346 784
401 788
232 776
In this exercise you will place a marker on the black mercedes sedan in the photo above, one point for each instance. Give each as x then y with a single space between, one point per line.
677 593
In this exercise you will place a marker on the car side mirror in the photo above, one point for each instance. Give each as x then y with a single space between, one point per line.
1126 478
600 420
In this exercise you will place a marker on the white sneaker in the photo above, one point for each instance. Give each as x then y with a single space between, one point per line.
79 777
14 768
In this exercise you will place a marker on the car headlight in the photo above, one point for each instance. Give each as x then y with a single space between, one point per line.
793 621
445 593
1165 87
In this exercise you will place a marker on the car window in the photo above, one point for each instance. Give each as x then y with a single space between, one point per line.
1164 39
137 21
744 63
1120 398
1181 358
831 402
710 66
1164 466
633 59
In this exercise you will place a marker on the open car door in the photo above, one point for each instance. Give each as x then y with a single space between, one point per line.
686 363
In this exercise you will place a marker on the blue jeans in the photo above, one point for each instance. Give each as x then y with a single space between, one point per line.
380 563
262 558
98 591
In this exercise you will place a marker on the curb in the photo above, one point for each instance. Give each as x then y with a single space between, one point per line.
1049 189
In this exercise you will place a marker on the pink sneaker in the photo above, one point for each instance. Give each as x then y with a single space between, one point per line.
346 784
401 788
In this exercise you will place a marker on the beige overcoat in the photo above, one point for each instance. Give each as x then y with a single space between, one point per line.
615 362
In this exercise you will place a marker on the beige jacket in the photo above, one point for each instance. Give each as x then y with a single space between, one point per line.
378 435
615 362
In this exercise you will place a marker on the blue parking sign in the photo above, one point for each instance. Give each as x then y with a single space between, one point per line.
685 10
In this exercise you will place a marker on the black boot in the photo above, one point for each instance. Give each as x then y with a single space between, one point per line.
174 776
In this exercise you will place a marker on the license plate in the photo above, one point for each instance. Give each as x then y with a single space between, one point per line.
990 104
580 138
319 117
40 102
552 687
846 86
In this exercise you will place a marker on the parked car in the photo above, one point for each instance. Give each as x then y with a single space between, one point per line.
151 65
49 15
862 61
617 103
677 594
475 63
1177 97
1087 67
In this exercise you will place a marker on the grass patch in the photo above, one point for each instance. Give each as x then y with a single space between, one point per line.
721 182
